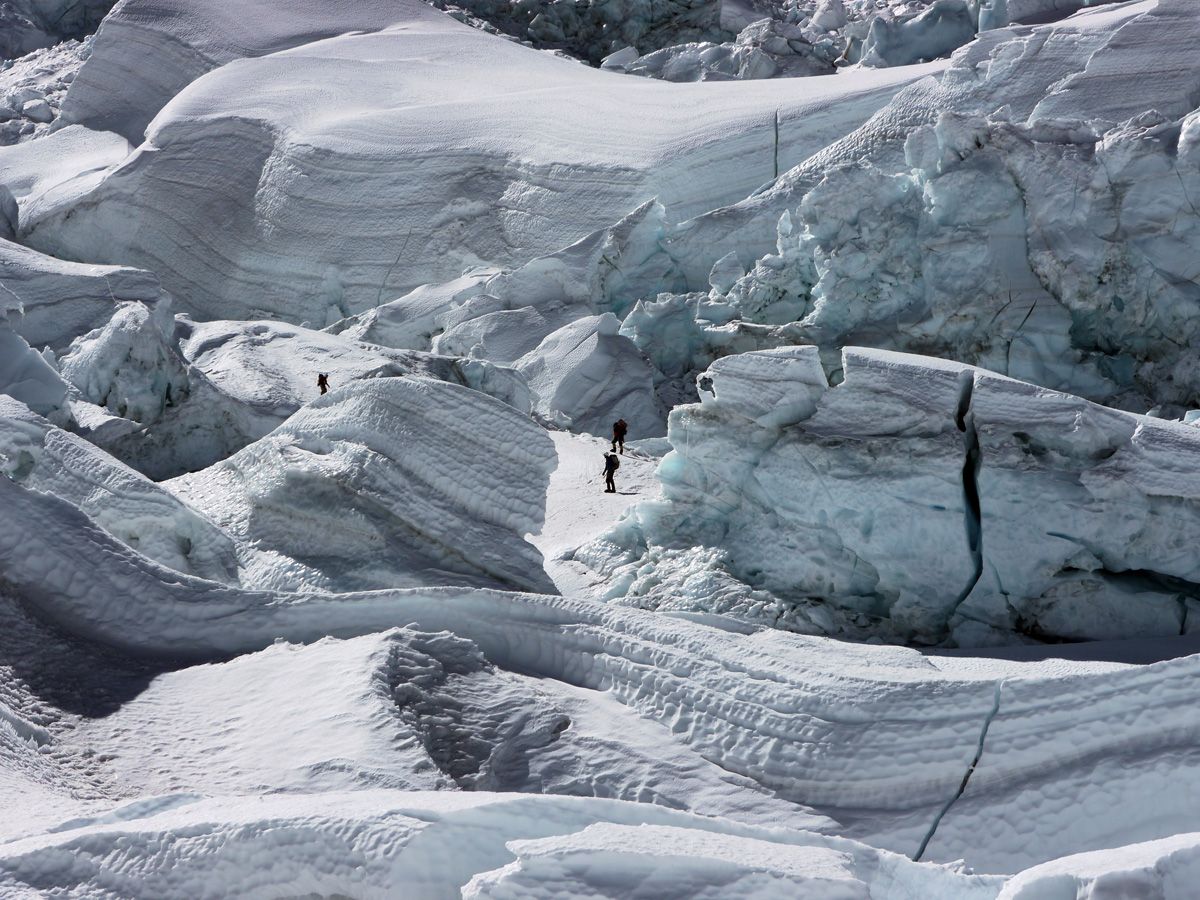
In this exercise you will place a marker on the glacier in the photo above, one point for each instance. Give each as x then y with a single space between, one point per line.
315 322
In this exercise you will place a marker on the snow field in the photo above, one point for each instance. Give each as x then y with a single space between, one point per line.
322 653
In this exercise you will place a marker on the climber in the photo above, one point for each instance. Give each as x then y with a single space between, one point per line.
323 382
620 427
611 464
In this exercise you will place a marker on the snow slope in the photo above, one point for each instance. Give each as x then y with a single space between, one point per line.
395 640
371 163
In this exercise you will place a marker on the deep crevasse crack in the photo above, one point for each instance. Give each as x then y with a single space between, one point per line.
972 507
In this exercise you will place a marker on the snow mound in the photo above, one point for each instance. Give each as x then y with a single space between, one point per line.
177 42
900 503
335 727
585 376
385 483
271 368
434 845
320 214
169 396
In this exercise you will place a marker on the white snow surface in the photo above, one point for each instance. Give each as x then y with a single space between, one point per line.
863 624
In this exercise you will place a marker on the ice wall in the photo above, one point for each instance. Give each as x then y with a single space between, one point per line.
1029 213
27 25
920 499
292 143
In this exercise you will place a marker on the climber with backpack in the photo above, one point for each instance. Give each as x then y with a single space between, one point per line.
620 429
611 463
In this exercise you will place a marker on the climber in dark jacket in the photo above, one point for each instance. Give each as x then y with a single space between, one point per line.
620 428
323 382
611 464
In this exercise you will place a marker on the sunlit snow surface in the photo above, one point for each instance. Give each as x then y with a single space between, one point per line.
258 640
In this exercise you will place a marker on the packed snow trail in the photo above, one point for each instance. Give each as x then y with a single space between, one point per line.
578 510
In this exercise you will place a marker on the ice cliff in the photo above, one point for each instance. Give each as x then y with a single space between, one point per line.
321 218
919 499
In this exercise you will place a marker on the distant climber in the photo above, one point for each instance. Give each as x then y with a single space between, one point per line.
611 464
323 382
620 428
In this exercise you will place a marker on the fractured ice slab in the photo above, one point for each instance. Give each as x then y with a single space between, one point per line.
920 498
585 376
37 456
25 375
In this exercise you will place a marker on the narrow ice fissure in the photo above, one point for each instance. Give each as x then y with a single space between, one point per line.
972 507
962 787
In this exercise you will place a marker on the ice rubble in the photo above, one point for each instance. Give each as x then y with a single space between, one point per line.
1030 212
813 37
593 29
32 88
321 218
901 502
764 49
